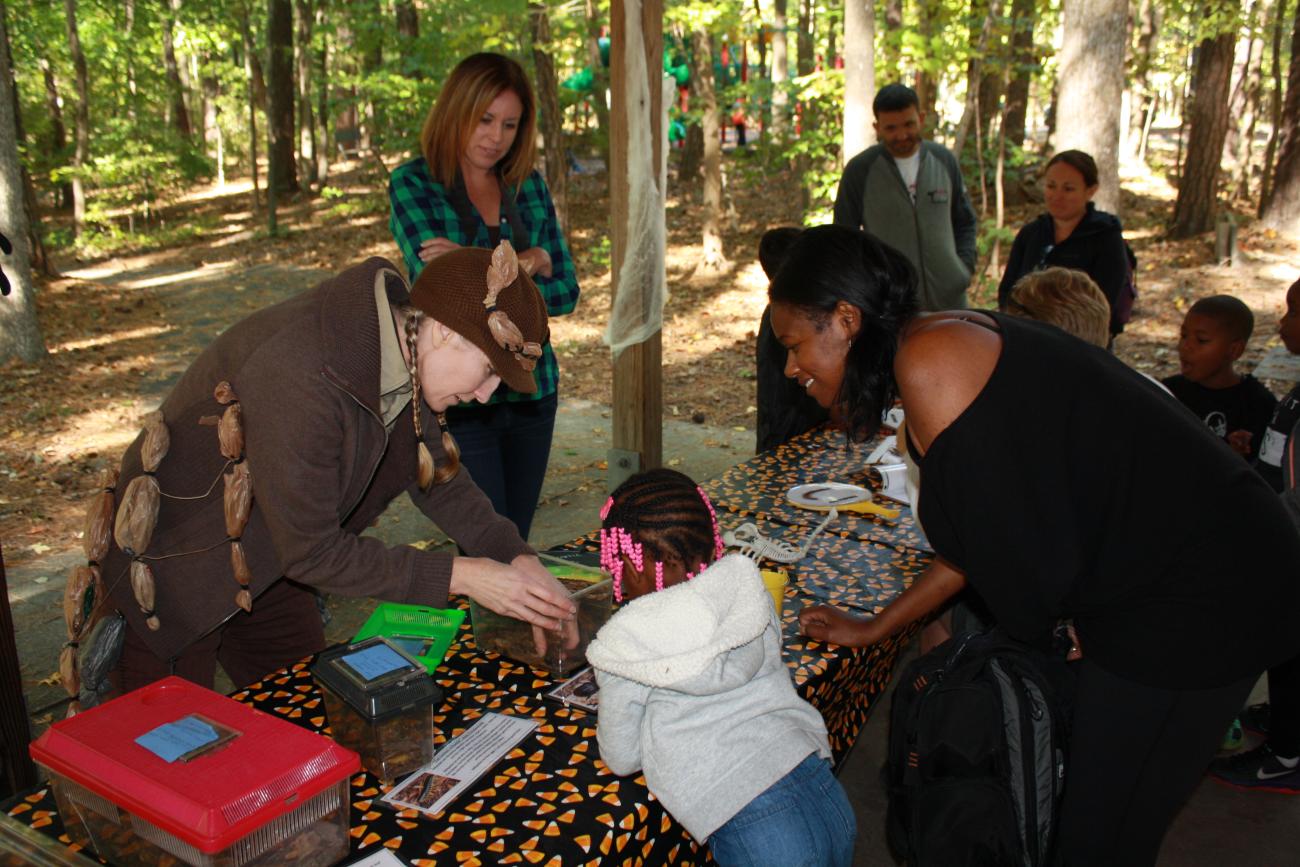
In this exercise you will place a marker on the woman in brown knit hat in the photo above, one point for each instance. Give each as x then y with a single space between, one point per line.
339 394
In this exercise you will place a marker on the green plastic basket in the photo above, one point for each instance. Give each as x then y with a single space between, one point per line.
424 633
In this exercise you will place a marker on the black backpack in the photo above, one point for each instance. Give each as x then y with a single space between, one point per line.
976 763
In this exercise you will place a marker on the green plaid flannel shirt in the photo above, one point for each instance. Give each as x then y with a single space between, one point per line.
420 209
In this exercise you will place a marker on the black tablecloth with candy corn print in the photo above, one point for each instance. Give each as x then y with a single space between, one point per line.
551 801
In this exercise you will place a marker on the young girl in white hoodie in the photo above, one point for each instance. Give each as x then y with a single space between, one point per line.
694 693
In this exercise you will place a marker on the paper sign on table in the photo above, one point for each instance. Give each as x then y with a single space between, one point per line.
462 761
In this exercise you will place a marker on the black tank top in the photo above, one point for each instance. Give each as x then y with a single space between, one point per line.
1073 487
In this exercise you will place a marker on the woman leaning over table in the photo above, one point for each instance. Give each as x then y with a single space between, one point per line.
473 185
1059 484
337 392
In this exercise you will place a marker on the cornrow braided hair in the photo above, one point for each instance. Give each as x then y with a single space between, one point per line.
666 515
427 474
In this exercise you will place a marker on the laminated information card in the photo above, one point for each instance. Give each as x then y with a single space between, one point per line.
462 761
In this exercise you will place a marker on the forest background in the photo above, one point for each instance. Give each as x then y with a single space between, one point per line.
245 146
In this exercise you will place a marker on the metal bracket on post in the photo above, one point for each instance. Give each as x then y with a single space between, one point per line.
623 464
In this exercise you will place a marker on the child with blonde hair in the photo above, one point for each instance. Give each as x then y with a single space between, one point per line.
694 693
1066 298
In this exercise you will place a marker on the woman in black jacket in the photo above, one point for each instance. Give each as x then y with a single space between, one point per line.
1073 234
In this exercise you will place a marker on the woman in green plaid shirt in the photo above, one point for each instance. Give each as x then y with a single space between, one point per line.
474 185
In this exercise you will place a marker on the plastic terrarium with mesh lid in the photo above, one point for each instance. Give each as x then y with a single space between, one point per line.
557 651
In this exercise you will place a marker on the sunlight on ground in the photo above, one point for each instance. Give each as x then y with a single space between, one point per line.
202 272
103 339
1140 180
97 430
236 237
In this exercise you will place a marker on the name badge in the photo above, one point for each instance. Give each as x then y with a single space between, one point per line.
1270 450
939 197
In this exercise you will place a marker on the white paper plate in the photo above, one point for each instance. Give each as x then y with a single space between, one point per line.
824 495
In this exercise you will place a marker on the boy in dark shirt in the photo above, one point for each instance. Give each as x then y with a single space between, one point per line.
1275 764
1237 408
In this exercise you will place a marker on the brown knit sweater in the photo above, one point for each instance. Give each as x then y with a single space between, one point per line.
307 374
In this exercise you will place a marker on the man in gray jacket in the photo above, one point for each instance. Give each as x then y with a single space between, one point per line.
909 193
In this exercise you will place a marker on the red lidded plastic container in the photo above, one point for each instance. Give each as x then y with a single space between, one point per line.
263 790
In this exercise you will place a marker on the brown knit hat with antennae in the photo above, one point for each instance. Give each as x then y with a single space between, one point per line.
453 289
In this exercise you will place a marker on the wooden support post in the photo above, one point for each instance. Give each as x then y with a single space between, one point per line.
638 378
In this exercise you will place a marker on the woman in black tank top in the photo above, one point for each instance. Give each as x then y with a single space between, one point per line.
1059 484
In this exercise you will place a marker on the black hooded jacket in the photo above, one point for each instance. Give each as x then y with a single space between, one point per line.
1096 247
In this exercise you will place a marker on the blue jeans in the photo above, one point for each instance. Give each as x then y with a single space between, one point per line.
505 447
802 820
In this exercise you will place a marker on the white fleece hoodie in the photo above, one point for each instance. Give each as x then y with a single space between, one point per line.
693 691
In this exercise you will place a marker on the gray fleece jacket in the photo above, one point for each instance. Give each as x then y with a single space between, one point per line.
694 692
936 233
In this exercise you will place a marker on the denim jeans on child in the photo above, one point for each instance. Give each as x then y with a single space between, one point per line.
505 446
802 820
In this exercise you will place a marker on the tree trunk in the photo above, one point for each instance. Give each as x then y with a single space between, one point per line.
978 91
372 58
806 62
780 71
1142 97
1244 59
322 96
1282 212
713 259
1024 63
832 50
81 154
1091 81
599 79
128 47
306 120
282 176
408 21
179 114
892 45
20 333
1246 111
1194 210
58 133
40 260
250 80
859 75
692 162
212 123
1275 109
927 86
548 98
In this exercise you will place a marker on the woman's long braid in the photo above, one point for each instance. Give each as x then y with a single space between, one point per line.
427 473
448 470
667 515
424 460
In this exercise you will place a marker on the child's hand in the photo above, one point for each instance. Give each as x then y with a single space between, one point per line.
1239 440
827 623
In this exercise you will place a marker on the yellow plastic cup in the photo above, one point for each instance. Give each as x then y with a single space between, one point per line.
775 583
